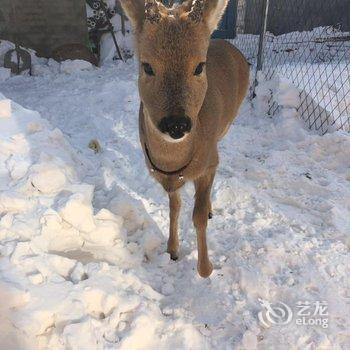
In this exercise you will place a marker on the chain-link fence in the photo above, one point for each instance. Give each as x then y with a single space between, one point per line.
307 42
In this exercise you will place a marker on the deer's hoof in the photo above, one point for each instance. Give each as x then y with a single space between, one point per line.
205 270
173 255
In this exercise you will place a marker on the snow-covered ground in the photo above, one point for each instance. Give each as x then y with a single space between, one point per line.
83 227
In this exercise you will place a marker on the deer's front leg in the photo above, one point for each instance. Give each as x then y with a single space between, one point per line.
173 241
202 208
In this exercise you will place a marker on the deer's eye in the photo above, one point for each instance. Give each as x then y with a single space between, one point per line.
199 69
147 68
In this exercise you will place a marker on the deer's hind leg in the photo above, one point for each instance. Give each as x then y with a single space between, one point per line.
173 241
202 208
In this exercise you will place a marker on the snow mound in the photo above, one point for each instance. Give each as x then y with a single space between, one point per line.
54 247
71 66
42 66
5 73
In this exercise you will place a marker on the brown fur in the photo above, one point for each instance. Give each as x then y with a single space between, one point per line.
174 46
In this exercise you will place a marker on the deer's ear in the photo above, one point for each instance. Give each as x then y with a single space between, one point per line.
213 11
135 11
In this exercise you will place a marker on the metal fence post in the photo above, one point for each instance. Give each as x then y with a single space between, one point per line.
260 59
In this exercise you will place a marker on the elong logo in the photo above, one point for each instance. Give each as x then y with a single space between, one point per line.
280 314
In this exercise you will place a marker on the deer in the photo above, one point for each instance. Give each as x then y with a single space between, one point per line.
191 88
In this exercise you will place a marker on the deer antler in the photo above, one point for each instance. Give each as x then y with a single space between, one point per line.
152 11
196 12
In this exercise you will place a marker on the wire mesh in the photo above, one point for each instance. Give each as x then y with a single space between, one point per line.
308 43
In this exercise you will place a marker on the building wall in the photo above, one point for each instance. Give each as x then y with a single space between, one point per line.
297 15
43 24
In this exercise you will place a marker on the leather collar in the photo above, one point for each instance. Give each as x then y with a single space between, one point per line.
154 168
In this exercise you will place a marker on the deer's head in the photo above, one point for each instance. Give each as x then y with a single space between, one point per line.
172 45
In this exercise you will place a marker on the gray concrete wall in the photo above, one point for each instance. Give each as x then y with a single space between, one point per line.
43 24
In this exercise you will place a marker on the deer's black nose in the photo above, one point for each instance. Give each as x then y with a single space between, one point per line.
175 126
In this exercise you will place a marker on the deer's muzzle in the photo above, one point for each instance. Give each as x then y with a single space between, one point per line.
175 126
